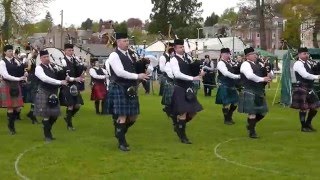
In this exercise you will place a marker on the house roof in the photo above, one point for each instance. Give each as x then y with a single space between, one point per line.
96 50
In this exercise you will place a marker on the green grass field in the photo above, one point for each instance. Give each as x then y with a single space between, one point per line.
282 152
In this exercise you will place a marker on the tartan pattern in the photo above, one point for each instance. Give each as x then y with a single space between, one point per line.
251 103
6 101
227 95
30 89
180 105
66 99
118 103
304 99
167 93
98 91
41 107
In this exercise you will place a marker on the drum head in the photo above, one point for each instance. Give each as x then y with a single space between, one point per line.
56 56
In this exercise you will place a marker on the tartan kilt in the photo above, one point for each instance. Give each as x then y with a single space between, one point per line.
167 92
304 99
118 103
31 88
180 105
98 91
252 103
227 95
66 99
6 101
41 107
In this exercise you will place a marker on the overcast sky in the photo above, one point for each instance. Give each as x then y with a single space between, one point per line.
77 11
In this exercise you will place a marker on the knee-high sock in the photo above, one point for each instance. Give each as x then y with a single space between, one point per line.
96 105
312 113
11 119
302 117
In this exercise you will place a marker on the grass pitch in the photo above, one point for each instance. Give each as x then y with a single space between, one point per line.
281 152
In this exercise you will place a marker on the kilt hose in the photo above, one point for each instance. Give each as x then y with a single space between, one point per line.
227 95
6 101
304 98
98 91
180 104
41 107
167 92
66 99
252 103
118 103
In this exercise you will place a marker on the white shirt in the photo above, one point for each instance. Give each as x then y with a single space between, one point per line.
94 74
248 72
168 70
224 70
44 78
176 69
298 67
4 72
107 67
162 62
117 67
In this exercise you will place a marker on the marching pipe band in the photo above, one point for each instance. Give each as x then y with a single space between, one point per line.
126 69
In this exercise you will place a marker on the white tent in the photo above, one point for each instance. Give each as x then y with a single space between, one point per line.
204 44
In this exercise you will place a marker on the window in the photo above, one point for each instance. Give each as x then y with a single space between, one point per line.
274 35
258 35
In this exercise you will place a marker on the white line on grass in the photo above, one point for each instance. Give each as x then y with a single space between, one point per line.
16 163
244 165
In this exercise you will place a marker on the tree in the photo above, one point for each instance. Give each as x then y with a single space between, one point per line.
86 25
134 22
184 16
18 12
95 27
229 16
305 11
211 20
121 28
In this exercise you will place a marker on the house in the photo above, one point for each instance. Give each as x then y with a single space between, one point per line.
307 29
92 52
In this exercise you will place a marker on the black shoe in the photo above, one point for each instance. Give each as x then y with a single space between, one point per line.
12 132
305 129
253 135
310 127
185 141
229 122
122 147
70 128
48 139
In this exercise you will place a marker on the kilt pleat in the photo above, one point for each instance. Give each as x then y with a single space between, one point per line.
98 92
118 103
227 95
251 103
66 99
6 101
180 105
41 107
304 99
